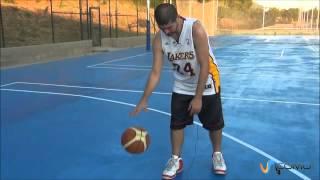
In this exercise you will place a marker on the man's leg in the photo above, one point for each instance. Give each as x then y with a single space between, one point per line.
216 139
219 165
177 137
175 163
212 119
179 119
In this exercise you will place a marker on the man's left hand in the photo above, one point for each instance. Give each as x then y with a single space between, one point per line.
195 106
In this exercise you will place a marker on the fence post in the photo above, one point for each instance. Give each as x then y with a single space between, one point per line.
110 18
2 29
138 3
52 27
100 35
148 26
90 24
116 18
81 27
88 33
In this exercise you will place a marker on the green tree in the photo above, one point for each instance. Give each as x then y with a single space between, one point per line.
294 14
238 4
271 16
285 16
10 1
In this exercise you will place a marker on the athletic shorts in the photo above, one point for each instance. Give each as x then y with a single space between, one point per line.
210 115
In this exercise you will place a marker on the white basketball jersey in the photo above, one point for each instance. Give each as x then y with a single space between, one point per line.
182 55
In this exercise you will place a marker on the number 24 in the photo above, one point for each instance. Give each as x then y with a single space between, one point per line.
187 69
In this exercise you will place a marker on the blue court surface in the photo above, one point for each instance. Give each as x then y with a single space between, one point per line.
64 119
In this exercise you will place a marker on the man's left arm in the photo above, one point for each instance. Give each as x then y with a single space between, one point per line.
200 40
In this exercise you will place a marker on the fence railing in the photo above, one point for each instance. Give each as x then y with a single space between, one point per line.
54 21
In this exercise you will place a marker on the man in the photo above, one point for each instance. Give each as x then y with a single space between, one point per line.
196 88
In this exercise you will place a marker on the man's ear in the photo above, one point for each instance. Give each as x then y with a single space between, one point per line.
178 16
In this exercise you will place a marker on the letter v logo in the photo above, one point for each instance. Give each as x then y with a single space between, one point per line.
265 170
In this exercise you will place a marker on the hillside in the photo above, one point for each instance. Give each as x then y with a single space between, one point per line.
28 22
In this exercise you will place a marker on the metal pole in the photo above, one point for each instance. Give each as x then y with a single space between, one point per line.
138 17
307 25
263 16
52 27
110 29
318 19
305 20
116 18
81 27
2 29
299 18
311 19
148 26
302 22
100 35
90 24
88 30
154 21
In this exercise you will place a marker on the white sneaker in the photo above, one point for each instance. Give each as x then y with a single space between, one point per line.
219 166
173 167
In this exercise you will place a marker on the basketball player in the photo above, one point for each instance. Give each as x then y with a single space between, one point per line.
196 88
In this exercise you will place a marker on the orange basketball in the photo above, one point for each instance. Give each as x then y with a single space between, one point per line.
135 140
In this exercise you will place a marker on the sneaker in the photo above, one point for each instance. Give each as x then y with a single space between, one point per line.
173 167
219 166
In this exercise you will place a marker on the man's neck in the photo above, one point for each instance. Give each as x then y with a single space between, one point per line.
179 28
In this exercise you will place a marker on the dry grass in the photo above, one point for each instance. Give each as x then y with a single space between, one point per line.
28 22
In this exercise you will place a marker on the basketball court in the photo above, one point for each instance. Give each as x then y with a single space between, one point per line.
64 119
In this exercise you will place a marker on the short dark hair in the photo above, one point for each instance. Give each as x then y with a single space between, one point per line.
165 13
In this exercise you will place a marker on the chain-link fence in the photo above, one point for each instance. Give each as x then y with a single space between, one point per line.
291 17
30 22
33 22
253 17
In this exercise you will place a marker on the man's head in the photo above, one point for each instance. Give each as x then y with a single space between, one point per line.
166 16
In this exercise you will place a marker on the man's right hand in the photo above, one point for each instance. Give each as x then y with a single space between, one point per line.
141 106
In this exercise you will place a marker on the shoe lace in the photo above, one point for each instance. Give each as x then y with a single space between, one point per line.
171 163
218 160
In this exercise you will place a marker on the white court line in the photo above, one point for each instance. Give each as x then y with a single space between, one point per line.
134 66
232 73
132 69
118 59
129 66
88 87
271 101
255 149
8 84
164 93
310 46
282 52
170 67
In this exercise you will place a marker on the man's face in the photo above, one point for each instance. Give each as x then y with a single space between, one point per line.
170 29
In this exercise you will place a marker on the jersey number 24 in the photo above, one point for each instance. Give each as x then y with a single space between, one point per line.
186 69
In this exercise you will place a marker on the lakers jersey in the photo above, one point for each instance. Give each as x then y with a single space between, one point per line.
183 57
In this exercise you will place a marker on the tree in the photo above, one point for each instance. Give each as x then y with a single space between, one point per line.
294 14
238 4
271 16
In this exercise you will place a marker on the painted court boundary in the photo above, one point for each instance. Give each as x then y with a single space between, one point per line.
163 93
257 150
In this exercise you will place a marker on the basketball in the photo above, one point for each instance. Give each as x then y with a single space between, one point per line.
135 140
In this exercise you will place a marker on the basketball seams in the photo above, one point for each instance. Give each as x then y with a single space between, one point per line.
135 140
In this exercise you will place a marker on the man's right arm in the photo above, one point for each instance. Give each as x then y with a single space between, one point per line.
154 76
